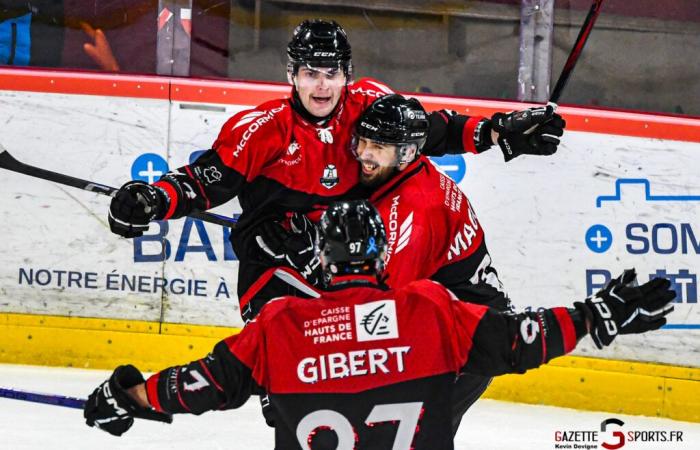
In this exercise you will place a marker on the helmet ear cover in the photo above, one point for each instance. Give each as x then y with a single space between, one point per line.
406 153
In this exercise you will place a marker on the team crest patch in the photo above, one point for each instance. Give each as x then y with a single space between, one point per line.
293 148
330 176
293 155
212 175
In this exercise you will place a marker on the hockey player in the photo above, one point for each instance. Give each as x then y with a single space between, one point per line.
365 366
428 217
433 231
291 154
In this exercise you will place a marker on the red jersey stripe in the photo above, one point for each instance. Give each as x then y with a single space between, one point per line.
568 331
152 392
172 196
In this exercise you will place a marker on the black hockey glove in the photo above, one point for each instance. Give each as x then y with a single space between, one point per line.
623 307
533 131
110 408
134 206
293 248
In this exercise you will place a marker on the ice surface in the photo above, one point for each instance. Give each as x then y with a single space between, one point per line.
489 425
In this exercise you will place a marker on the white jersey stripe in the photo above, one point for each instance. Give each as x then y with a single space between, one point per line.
247 119
381 87
298 284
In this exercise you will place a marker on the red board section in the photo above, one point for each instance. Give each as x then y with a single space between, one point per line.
226 92
86 83
607 121
626 123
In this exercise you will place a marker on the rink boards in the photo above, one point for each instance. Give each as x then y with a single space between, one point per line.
622 191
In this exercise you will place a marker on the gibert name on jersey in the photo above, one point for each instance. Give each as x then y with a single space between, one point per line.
373 321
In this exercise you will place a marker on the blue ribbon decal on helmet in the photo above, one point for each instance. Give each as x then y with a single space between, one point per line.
371 247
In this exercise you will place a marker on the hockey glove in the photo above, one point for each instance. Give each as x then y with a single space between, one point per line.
623 307
533 131
110 408
134 206
293 247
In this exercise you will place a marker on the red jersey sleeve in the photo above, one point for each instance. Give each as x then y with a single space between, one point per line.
220 380
494 342
249 348
367 90
246 143
253 138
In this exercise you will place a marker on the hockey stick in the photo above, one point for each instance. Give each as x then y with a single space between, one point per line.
49 399
7 161
62 400
576 51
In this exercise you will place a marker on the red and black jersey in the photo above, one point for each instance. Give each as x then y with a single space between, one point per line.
276 162
432 232
431 228
360 363
273 159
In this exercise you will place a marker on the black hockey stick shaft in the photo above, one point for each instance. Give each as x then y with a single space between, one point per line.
7 161
49 399
62 400
576 50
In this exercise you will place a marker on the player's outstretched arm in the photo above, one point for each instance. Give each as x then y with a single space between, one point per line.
452 133
246 143
532 131
218 381
203 185
513 343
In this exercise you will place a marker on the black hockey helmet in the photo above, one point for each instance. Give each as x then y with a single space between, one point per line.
351 239
319 43
395 119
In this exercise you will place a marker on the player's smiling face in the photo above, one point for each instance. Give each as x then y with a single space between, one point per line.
319 88
378 161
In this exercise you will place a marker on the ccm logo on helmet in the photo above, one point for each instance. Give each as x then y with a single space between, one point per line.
325 54
366 125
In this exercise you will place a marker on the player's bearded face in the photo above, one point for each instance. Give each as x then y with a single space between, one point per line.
319 88
378 161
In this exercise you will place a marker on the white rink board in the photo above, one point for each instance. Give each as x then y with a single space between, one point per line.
50 229
58 228
536 213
